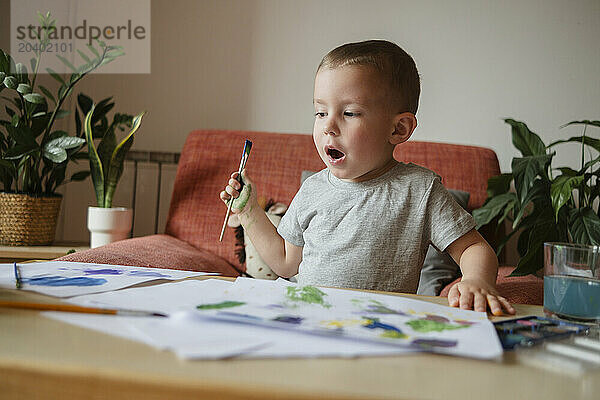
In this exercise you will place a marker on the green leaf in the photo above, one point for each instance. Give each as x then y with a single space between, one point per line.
24 88
77 123
93 50
95 164
584 226
47 93
85 58
35 98
588 141
66 142
21 73
588 165
544 230
19 151
527 142
118 158
526 169
80 176
85 103
2 76
55 76
584 122
493 207
67 63
105 149
4 63
60 114
55 154
538 194
22 134
11 113
11 82
561 190
499 184
568 171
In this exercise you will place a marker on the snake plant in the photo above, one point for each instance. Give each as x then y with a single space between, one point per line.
106 161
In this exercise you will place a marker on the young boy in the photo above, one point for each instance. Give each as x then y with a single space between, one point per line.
366 220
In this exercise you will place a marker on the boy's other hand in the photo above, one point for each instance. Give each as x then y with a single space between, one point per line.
476 294
244 195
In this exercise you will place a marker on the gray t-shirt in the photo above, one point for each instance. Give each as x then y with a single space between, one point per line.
372 234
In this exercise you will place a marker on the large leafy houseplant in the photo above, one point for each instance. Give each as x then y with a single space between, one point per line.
34 156
106 161
547 204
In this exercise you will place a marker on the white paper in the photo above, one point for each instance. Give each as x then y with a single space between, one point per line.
166 298
470 333
187 340
358 315
190 335
65 279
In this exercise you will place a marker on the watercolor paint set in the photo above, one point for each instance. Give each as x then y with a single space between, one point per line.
532 330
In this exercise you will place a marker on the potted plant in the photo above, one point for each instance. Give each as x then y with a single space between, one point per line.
33 155
548 204
107 223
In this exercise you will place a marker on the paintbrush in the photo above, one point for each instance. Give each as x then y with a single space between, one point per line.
245 155
18 281
78 309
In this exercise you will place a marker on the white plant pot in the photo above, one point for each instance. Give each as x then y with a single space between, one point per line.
107 225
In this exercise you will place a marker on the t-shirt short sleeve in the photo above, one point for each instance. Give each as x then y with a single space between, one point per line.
289 228
445 219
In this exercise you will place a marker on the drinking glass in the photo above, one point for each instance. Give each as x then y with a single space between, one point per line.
572 281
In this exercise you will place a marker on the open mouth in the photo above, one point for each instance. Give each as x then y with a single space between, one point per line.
334 154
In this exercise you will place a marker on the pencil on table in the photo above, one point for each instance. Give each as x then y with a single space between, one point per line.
245 155
77 309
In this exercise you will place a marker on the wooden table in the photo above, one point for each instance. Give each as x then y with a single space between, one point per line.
44 358
50 252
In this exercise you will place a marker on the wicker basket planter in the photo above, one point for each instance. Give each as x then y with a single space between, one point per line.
27 220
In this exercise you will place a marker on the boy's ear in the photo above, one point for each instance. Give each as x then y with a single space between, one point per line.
405 124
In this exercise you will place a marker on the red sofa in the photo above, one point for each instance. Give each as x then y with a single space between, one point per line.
208 157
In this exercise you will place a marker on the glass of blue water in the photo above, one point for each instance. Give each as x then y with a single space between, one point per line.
572 281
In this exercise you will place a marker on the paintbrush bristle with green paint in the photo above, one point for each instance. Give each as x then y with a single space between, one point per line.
245 155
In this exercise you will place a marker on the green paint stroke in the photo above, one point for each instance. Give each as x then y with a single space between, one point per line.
306 294
240 202
426 325
218 306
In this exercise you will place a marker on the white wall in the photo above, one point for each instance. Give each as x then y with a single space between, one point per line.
250 64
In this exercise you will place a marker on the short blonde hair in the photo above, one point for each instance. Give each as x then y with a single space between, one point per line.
394 65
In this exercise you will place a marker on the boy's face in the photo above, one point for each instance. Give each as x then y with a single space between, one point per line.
354 123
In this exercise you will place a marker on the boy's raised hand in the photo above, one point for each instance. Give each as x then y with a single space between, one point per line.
477 294
245 199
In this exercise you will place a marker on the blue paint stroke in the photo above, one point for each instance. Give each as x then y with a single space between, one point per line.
375 324
148 273
62 281
104 271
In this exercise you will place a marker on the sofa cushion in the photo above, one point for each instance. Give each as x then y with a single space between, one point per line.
160 251
517 289
209 157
